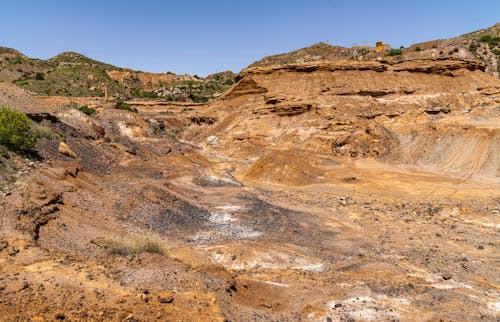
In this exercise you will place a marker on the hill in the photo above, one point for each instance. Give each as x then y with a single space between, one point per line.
73 74
483 44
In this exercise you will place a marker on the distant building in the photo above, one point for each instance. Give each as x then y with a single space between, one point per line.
382 47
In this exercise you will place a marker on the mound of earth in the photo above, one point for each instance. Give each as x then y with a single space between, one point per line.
290 168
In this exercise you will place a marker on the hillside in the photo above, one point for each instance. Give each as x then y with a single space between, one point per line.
72 74
483 44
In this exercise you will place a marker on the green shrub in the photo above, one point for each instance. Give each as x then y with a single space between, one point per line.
121 105
198 98
418 49
40 76
395 52
87 110
149 95
490 40
473 47
16 132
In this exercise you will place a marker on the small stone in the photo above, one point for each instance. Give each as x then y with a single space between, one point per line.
338 305
3 245
60 316
24 286
447 276
165 298
233 257
66 150
480 247
13 251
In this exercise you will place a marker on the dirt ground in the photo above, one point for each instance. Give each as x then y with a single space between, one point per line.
298 208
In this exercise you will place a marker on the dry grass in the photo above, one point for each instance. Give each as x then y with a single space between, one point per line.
122 248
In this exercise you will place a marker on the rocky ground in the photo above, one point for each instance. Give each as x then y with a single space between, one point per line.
320 191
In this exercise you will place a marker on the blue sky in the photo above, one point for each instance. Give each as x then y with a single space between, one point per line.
203 37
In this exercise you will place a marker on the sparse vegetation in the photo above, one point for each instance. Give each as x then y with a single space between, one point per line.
16 130
87 110
418 49
42 130
121 105
149 95
83 108
490 40
121 248
395 52
198 98
473 47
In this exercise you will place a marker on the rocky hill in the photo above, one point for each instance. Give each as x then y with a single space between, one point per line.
72 74
483 44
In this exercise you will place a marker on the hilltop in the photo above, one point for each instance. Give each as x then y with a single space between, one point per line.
483 44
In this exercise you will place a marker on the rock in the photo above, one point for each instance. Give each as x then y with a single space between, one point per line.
3 245
13 251
447 276
165 298
337 305
72 171
60 316
233 257
66 150
480 247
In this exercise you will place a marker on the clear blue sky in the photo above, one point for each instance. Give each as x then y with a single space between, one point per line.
202 37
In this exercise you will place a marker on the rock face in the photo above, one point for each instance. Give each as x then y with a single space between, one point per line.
348 190
361 109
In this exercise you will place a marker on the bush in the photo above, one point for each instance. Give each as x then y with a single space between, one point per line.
149 95
198 98
16 132
121 105
39 76
418 49
87 110
473 47
395 52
